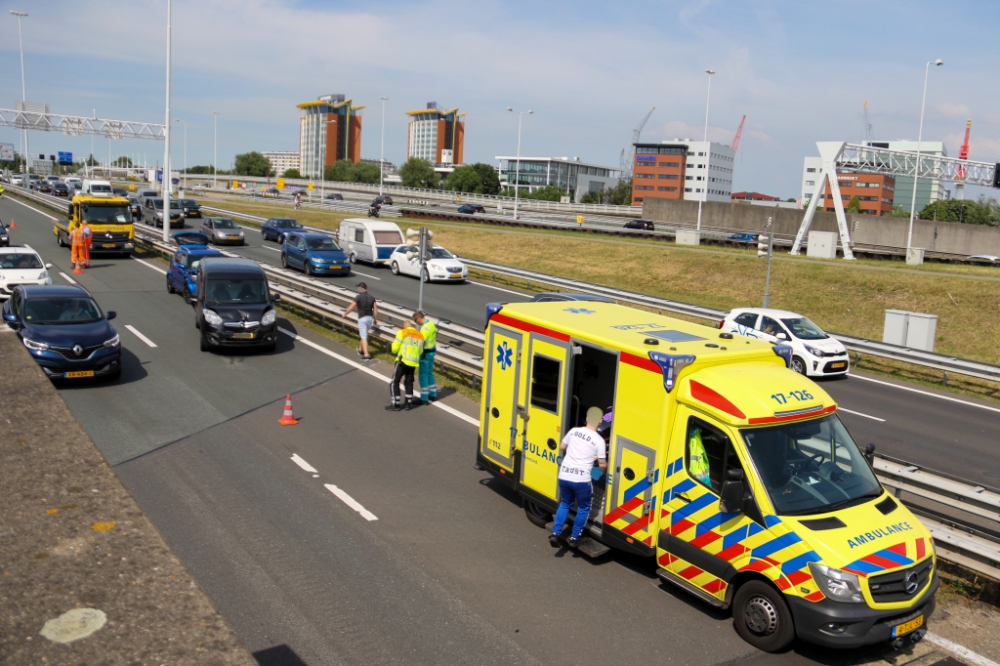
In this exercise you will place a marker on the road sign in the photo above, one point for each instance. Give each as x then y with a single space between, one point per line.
65 158
7 152
42 167
280 183
310 187
159 175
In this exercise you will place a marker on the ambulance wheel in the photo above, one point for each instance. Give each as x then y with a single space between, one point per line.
536 514
762 617
798 365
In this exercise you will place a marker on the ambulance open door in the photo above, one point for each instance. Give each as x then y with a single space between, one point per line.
501 395
546 410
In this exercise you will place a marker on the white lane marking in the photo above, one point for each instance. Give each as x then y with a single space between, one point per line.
343 359
40 212
927 393
67 278
867 416
298 460
351 502
961 651
490 286
149 265
277 249
140 335
372 277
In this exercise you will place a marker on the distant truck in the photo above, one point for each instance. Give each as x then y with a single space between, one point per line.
109 218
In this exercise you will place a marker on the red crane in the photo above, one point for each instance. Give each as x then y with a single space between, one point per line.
739 133
963 152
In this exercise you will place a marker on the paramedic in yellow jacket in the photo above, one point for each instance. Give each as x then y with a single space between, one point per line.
408 347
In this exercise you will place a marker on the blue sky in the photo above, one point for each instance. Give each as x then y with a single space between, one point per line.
800 71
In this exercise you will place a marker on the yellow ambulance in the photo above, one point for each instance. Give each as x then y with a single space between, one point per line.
788 526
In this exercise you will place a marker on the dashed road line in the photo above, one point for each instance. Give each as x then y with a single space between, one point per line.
370 277
298 460
490 286
351 502
67 278
867 416
140 335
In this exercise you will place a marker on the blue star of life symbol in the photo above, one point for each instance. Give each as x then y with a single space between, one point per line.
579 311
505 355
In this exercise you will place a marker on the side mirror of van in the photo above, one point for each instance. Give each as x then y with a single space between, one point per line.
870 454
732 492
275 298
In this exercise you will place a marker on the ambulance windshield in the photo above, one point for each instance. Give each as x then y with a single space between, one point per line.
811 467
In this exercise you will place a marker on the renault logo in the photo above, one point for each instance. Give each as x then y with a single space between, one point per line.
912 583
77 349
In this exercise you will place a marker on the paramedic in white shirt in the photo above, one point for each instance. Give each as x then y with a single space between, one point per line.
580 448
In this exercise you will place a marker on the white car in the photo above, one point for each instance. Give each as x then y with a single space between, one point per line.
21 265
17 180
442 265
814 353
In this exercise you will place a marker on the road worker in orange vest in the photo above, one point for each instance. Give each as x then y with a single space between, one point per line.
77 243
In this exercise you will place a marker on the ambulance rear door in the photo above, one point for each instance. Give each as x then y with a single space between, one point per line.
547 407
501 387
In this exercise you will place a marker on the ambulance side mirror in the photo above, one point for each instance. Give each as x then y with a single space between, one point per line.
870 454
732 492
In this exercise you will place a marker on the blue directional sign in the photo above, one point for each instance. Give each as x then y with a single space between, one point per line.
159 175
65 158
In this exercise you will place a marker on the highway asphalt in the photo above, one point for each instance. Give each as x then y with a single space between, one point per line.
360 536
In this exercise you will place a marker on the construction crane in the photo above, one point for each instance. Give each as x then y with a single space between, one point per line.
739 134
963 154
628 154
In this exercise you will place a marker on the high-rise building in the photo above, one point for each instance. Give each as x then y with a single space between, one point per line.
329 130
436 135
682 169
282 160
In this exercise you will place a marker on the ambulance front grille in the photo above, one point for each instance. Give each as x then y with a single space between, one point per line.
892 587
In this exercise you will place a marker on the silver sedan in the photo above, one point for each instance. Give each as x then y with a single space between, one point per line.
222 231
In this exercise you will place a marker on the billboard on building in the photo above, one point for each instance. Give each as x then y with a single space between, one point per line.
7 152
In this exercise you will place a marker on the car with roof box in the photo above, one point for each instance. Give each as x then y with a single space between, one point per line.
234 306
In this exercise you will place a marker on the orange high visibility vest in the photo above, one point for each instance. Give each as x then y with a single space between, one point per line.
76 235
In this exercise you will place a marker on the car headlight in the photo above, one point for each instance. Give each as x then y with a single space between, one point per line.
814 351
837 585
213 318
113 342
3 236
268 318
35 346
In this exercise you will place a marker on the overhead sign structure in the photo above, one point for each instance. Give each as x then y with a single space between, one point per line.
65 158
7 152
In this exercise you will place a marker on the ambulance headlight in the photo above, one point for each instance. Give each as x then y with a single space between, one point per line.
837 585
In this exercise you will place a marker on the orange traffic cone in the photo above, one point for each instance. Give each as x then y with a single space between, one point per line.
77 269
288 418
13 224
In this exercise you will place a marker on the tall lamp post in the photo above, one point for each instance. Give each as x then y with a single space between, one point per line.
166 142
24 96
381 154
215 152
184 175
916 170
517 169
708 149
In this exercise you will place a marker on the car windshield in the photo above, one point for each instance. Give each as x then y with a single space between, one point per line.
19 260
94 188
232 291
440 253
810 467
193 262
804 329
189 202
224 223
61 311
107 214
321 244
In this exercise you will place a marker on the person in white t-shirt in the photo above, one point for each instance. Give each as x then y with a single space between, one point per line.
580 448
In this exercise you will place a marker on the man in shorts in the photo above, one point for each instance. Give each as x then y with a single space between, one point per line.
367 309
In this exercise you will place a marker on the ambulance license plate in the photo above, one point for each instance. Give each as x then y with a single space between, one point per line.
839 365
907 627
242 336
109 245
78 373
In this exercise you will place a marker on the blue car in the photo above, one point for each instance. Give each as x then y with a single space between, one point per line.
743 237
182 276
314 254
277 228
65 330
471 209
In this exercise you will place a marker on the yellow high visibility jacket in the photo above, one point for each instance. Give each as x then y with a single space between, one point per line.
430 332
408 346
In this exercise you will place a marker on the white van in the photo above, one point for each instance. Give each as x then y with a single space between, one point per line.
73 180
370 241
97 188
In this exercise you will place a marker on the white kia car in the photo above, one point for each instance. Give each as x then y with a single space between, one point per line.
21 265
442 265
814 353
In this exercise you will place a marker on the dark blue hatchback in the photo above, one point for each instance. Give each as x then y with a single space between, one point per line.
314 254
277 228
65 330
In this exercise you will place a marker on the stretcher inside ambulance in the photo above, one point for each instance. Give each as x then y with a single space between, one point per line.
732 471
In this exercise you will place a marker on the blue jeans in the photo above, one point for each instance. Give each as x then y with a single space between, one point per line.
572 491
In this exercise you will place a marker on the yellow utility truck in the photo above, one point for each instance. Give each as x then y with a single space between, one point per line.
110 221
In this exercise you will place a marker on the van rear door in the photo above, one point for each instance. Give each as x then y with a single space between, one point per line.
548 405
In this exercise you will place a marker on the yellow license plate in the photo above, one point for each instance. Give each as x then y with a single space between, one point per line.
907 627
234 238
243 336
838 366
109 245
78 373
456 277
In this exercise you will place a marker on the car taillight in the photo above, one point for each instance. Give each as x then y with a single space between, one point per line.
722 323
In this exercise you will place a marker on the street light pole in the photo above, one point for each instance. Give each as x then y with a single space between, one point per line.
166 141
215 152
381 154
708 149
916 169
184 174
517 169
24 96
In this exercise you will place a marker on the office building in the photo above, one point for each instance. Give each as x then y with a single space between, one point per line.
876 192
329 130
574 177
436 135
282 160
682 169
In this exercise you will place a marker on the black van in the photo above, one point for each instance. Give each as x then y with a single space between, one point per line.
233 305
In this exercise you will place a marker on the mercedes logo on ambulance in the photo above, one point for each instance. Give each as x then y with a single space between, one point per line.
911 583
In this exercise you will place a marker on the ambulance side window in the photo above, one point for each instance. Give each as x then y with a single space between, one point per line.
545 383
709 454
